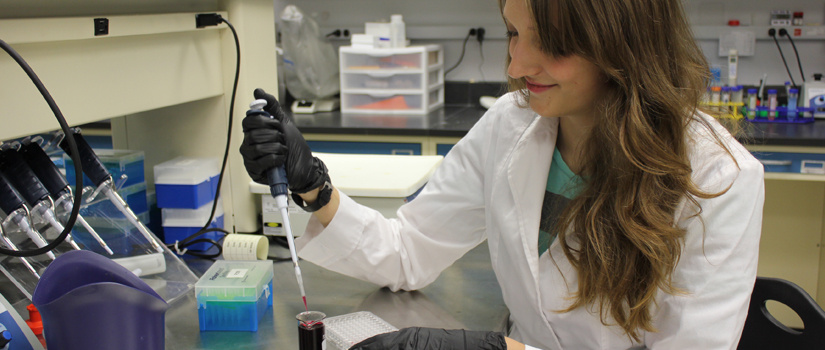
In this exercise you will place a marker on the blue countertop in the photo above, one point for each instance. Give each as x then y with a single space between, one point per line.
456 120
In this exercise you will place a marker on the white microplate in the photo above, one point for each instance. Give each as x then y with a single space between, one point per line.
347 330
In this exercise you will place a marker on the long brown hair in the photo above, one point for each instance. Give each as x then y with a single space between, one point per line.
622 239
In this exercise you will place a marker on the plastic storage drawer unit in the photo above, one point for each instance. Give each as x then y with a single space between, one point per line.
407 80
186 182
234 295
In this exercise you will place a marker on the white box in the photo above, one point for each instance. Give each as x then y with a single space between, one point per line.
381 182
364 40
407 80
379 30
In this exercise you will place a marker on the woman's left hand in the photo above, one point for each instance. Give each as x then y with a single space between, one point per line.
418 338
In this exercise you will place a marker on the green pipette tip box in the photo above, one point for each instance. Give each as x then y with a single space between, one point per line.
234 295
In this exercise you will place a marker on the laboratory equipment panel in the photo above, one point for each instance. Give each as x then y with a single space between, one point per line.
408 80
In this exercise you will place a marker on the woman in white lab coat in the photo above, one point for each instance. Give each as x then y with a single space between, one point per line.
617 214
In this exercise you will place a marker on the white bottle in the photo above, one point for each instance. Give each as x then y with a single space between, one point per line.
733 62
398 36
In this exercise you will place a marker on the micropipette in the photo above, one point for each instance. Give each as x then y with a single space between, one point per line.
15 168
12 246
100 176
278 187
16 212
56 184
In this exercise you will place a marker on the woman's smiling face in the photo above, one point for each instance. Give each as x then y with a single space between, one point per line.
559 86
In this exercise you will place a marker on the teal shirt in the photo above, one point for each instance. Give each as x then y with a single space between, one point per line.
562 186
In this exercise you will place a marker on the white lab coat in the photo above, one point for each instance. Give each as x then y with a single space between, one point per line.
491 186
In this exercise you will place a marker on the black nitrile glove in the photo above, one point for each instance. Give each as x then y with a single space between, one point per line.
418 338
272 142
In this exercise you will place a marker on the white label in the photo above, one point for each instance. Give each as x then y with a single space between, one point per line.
812 167
236 273
268 204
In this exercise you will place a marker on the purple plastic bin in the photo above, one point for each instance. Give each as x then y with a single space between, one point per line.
88 301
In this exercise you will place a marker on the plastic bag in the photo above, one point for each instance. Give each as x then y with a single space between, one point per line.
310 62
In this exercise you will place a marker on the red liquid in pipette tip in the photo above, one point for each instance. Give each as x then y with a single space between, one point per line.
305 303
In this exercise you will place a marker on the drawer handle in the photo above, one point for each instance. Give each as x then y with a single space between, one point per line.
406 152
375 54
381 95
380 74
775 162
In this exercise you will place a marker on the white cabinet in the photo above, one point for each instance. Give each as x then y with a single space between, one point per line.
408 80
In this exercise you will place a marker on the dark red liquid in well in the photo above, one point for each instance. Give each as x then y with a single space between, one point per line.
311 335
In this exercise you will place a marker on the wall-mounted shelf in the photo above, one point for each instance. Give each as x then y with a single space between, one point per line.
38 30
164 83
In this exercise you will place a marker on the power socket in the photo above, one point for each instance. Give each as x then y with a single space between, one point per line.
339 34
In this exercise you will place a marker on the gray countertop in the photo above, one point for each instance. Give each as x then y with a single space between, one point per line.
466 295
456 120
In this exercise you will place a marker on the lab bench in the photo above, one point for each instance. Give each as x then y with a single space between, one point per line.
466 295
428 134
793 231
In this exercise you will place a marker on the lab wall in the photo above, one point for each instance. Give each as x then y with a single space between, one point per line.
485 61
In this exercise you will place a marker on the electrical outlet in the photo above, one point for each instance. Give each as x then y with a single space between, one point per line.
339 34
480 34
101 26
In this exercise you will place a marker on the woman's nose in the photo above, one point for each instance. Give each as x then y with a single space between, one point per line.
523 61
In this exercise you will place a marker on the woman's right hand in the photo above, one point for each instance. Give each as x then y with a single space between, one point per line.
273 142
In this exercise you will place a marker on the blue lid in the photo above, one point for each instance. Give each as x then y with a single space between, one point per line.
736 88
752 91
793 91
726 88
771 91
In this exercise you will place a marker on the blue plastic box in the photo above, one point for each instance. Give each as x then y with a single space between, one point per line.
181 223
234 295
119 162
186 183
171 234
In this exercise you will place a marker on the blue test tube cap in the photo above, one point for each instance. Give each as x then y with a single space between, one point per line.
752 91
725 88
736 88
771 91
793 91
